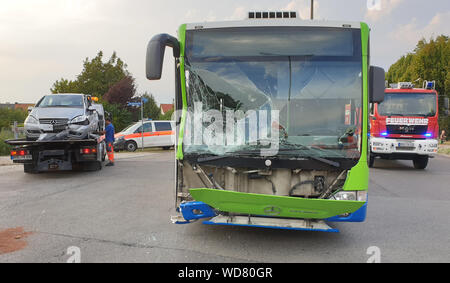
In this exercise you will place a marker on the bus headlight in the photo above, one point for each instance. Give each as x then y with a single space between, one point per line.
350 195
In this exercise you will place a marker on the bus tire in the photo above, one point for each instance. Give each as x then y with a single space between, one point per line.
421 162
131 146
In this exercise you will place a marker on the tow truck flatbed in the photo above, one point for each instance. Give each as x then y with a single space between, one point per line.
25 142
58 155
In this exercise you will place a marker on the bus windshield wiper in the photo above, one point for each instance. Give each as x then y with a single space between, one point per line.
229 154
304 147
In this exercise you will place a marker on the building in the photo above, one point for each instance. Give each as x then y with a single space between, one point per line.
14 106
166 108
23 106
6 106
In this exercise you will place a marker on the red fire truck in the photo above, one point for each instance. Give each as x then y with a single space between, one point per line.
405 125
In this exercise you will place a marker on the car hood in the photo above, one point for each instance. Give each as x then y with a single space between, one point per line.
56 112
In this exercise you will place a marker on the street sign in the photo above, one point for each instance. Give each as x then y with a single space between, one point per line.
134 104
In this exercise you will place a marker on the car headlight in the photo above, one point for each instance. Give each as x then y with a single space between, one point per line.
80 120
350 195
31 120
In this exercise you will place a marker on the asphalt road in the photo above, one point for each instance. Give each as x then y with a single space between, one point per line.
121 214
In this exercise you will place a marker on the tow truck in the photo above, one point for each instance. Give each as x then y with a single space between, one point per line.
58 155
405 125
273 120
62 134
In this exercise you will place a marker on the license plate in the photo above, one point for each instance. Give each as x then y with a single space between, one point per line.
23 157
47 127
406 144
53 166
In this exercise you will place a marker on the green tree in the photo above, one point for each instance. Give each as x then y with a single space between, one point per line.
121 117
96 78
429 61
151 109
8 116
167 115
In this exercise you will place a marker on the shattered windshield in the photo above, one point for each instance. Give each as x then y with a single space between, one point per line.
295 91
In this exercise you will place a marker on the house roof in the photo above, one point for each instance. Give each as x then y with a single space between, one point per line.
166 107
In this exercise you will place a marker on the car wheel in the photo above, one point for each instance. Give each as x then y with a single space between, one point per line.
131 146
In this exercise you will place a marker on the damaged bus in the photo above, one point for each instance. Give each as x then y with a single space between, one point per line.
272 120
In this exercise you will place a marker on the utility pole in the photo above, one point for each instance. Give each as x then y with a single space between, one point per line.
312 9
142 121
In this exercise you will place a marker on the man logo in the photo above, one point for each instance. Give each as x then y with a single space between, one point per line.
272 210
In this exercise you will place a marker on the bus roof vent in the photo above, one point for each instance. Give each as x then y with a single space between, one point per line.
272 15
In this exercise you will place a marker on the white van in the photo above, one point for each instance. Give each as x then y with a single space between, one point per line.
155 134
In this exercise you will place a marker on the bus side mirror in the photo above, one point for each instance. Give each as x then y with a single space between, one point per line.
155 54
377 84
30 108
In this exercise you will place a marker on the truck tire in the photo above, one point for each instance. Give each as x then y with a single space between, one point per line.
92 166
371 160
131 146
421 162
29 169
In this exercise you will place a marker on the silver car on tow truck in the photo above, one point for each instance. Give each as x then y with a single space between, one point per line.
64 116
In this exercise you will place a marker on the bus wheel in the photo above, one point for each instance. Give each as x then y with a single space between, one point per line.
421 162
131 146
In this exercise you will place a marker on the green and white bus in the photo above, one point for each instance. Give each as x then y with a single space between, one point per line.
272 116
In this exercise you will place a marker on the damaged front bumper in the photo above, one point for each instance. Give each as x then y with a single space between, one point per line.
70 131
268 211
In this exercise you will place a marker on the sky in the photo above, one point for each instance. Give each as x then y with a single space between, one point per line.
42 41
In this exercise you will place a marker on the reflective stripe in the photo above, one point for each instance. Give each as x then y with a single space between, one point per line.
149 134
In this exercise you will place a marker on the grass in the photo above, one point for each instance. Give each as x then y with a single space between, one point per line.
5 134
444 151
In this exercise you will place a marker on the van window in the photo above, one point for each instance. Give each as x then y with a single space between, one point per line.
163 126
147 128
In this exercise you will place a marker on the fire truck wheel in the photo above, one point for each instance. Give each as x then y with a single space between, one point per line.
371 160
420 162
